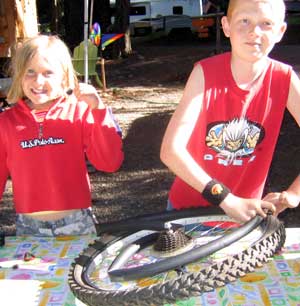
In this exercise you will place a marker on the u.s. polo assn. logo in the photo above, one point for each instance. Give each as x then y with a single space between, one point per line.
40 142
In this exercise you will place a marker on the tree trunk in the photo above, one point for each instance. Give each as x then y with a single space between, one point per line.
128 48
7 31
56 17
101 14
18 20
121 25
73 19
26 19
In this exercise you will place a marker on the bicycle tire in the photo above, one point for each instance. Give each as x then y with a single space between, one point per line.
183 286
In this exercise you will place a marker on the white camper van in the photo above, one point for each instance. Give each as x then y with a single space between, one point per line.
165 25
157 8
149 16
166 16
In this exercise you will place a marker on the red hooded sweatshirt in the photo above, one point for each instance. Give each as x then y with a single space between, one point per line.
46 161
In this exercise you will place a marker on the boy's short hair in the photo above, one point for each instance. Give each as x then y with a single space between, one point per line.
232 4
27 50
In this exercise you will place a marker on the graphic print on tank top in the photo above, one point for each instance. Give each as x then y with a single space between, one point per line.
234 139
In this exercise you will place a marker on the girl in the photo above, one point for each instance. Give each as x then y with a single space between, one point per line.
54 124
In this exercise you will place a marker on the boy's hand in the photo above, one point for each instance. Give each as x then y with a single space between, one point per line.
88 94
243 210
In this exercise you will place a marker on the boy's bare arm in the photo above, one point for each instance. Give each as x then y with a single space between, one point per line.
174 153
293 104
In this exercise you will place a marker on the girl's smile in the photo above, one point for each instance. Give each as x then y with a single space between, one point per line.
41 82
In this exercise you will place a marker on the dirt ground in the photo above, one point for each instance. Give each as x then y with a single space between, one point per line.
143 91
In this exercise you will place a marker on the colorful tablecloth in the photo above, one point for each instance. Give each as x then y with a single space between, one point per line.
276 283
42 280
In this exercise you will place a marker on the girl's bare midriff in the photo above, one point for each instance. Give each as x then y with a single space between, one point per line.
50 215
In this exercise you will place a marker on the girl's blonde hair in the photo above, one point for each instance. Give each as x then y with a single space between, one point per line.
27 50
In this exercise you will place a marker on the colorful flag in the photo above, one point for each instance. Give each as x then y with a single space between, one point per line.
96 37
107 39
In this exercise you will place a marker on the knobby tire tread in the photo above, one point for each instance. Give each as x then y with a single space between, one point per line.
187 284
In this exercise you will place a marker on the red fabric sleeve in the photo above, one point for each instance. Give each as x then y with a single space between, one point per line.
3 168
102 140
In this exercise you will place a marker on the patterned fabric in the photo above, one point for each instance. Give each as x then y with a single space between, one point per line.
77 223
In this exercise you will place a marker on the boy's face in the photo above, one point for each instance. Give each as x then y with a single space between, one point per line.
43 79
254 26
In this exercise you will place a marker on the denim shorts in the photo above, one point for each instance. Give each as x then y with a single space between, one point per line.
169 206
78 223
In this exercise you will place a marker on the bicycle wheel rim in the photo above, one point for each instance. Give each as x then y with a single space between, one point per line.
191 283
116 271
146 221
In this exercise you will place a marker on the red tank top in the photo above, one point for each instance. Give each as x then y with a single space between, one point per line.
237 130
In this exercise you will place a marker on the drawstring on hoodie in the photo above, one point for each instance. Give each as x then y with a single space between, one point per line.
40 130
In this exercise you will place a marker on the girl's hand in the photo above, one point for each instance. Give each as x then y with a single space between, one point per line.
282 200
274 197
287 199
89 94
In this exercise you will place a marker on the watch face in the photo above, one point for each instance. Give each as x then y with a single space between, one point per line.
216 189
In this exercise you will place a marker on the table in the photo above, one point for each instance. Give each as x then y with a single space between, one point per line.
42 281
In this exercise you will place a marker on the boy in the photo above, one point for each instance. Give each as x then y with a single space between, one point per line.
221 138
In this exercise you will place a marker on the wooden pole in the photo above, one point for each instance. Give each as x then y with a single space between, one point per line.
103 73
91 13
